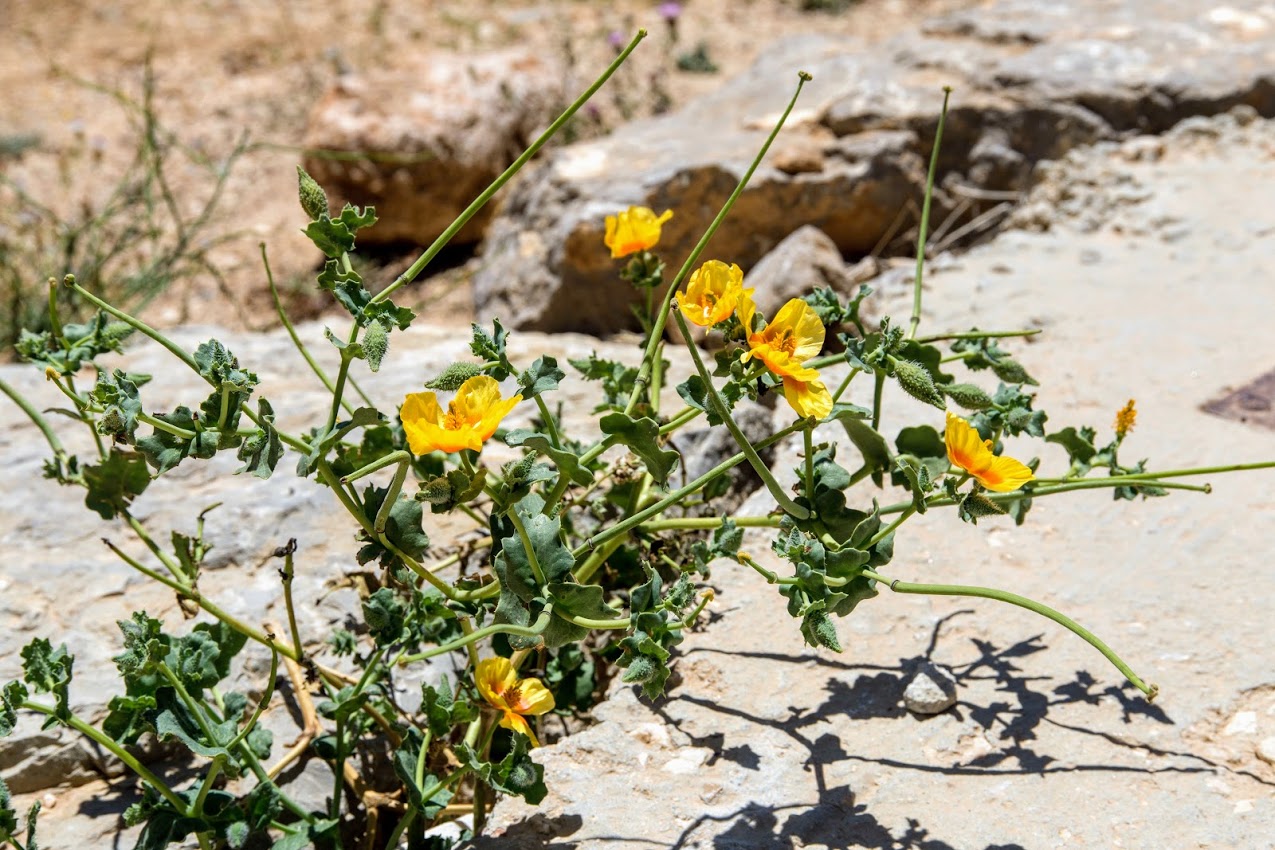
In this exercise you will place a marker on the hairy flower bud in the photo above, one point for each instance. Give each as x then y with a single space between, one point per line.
376 341
819 631
436 491
916 382
968 396
453 376
313 199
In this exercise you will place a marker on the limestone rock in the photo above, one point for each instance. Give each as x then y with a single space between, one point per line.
932 690
438 130
1032 81
806 260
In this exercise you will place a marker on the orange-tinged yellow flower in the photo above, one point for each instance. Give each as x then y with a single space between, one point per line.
969 451
792 337
635 229
499 684
712 294
471 417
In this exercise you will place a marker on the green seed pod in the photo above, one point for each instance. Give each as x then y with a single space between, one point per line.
967 396
640 669
313 199
976 506
436 491
375 343
819 631
1012 372
453 376
916 382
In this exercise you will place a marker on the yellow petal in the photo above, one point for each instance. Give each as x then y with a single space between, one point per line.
493 677
969 451
1004 475
712 293
491 418
808 398
801 319
421 416
747 309
474 397
518 723
533 698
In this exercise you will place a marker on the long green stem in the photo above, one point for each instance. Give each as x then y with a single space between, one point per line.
292 331
538 627
1144 478
923 232
104 741
50 436
719 406
661 318
978 335
1023 602
161 425
478 203
710 522
889 529
196 808
261 703
286 575
598 557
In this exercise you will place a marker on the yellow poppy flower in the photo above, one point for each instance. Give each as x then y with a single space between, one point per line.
712 293
966 449
470 420
499 684
792 337
635 229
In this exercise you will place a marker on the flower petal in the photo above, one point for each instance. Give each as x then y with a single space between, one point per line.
421 417
533 698
493 677
808 398
967 449
518 723
1004 475
800 318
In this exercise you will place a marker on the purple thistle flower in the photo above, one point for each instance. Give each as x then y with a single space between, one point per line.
670 11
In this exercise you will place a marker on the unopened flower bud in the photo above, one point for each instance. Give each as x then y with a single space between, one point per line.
916 382
968 396
375 343
313 199
453 376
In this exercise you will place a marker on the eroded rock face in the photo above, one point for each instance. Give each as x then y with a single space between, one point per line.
438 131
1031 81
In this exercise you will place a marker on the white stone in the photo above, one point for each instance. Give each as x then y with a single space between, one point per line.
931 690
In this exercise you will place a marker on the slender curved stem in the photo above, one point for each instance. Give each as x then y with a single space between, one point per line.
478 203
719 406
978 335
538 627
676 496
532 558
923 233
104 741
661 317
50 436
1023 602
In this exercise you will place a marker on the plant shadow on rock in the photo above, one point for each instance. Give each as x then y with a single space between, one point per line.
833 818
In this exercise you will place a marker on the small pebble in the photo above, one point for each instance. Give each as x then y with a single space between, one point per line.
931 690
48 801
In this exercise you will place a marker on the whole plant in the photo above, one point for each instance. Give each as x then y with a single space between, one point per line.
591 563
